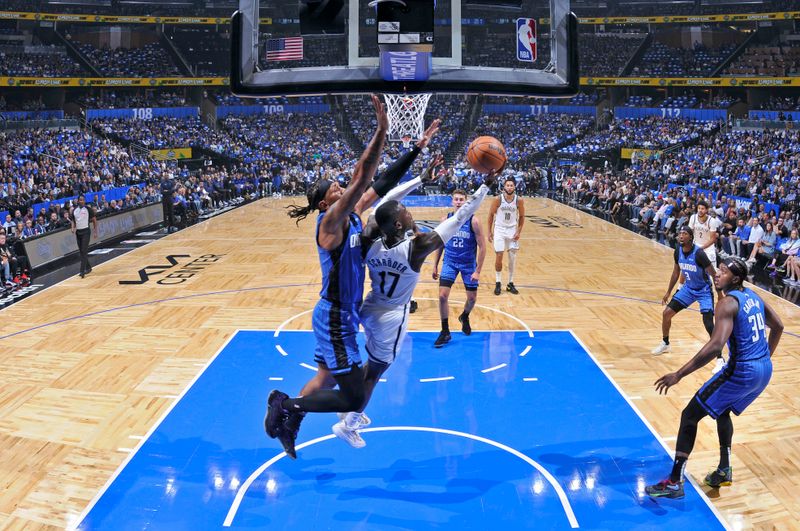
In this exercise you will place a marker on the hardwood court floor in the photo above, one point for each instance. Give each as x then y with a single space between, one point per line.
90 365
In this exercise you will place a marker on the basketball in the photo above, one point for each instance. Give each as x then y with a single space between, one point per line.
485 154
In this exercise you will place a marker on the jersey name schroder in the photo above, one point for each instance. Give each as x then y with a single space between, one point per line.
393 280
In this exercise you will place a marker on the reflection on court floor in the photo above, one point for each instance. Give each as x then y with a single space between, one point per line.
512 430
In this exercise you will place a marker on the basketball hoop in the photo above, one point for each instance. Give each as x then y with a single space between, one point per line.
406 115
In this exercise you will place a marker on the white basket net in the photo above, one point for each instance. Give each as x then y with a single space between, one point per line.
406 115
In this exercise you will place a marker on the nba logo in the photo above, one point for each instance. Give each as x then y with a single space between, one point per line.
526 39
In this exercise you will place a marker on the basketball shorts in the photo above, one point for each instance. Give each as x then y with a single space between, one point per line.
335 329
735 389
686 296
504 240
451 270
385 328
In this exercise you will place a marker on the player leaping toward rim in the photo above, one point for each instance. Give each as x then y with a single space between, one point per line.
394 261
339 238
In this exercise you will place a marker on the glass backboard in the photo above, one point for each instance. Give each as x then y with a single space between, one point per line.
505 47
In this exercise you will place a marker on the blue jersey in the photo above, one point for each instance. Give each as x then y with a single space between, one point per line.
461 248
748 340
693 267
343 267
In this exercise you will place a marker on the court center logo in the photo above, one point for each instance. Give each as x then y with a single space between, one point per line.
526 40
180 275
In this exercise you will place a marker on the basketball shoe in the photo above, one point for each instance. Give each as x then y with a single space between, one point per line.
720 477
276 415
666 489
465 326
662 348
363 421
348 435
444 337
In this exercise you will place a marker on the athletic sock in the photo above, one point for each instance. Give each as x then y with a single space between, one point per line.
724 457
677 469
445 325
498 276
666 340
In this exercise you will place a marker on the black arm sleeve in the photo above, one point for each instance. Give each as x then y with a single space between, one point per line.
676 255
702 259
389 179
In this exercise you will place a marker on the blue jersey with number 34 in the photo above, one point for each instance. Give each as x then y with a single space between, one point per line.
748 340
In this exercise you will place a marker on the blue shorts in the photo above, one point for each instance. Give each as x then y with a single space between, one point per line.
335 329
450 270
686 296
736 389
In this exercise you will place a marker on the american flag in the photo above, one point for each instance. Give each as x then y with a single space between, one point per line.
285 49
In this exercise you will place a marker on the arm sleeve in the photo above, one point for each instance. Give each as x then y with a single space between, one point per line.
385 182
448 228
702 259
676 255
399 192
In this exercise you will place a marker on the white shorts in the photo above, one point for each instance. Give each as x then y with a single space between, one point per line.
385 328
504 240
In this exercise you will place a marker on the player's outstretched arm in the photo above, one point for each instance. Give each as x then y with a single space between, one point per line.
775 327
330 230
398 193
389 179
431 241
724 314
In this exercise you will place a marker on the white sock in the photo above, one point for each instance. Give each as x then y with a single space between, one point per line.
352 420
512 260
497 276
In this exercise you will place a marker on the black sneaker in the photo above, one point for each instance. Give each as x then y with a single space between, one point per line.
512 288
444 337
720 478
276 415
287 433
666 489
412 307
465 327
497 288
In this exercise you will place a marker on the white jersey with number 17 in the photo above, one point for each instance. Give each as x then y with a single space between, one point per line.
393 280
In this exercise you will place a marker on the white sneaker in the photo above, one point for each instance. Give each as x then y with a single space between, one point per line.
718 365
351 437
662 348
362 423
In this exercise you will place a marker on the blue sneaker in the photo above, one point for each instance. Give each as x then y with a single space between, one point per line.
666 489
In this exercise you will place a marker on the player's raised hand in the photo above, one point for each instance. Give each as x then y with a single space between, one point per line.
432 129
665 382
380 113
429 173
491 177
